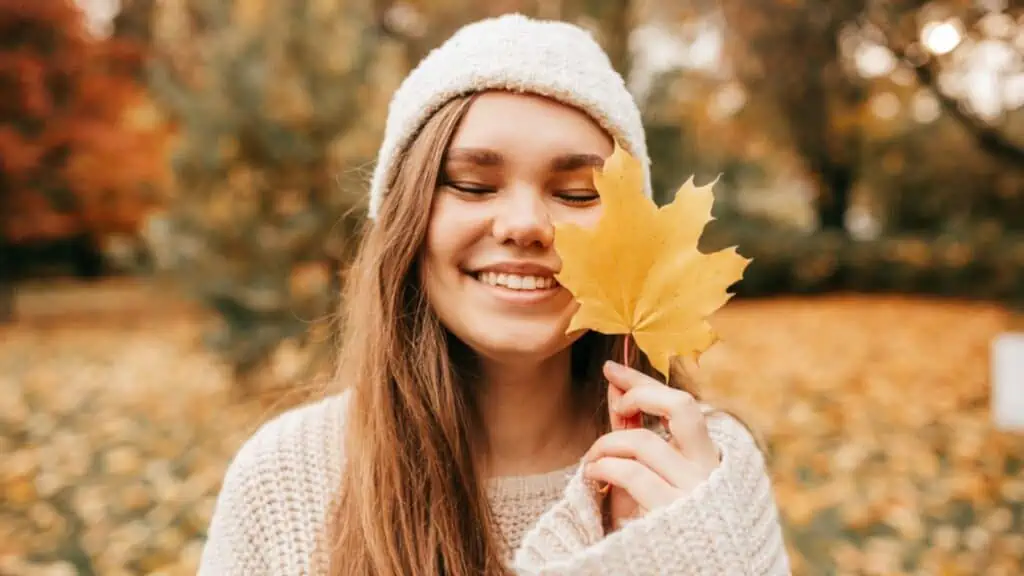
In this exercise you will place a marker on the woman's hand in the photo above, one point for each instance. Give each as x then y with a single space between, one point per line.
645 471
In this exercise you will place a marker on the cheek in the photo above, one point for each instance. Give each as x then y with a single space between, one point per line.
439 266
453 232
583 217
455 228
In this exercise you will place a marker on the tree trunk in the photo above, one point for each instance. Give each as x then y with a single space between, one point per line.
787 55
835 184
6 288
616 21
134 21
6 263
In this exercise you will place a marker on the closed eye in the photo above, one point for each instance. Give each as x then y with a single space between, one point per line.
470 187
578 196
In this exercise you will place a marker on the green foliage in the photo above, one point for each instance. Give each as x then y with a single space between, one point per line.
980 263
279 106
933 177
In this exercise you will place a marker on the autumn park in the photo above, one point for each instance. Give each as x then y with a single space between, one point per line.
183 183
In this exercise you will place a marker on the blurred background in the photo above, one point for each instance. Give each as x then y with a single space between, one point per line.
182 181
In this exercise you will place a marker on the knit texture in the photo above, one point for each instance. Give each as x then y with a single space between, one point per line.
516 53
276 497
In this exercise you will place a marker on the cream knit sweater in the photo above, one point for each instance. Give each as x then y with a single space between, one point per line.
277 491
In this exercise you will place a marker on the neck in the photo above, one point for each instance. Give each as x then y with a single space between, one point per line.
532 423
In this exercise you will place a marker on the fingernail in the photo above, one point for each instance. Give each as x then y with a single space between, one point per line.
613 367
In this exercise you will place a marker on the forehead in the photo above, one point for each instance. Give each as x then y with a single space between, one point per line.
515 123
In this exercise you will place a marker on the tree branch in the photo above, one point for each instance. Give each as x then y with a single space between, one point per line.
989 138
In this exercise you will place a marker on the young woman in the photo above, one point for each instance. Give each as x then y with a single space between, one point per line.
469 433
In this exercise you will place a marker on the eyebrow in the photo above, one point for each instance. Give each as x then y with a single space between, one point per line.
561 163
478 156
570 162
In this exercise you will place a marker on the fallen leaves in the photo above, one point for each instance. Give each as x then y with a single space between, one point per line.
115 437
876 412
639 272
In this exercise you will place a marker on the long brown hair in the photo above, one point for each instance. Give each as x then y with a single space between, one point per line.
411 502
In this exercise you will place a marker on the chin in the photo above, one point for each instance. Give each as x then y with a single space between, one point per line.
506 345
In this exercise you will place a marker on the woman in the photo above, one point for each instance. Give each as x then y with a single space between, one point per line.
470 432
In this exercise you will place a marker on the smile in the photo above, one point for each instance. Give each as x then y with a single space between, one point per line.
517 281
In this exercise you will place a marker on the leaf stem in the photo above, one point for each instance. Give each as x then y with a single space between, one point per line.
634 421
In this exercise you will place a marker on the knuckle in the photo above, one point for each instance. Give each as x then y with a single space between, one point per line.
615 468
648 437
604 443
633 441
684 405
599 467
616 441
701 422
625 404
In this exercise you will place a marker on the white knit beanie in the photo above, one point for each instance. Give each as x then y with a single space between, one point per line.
511 52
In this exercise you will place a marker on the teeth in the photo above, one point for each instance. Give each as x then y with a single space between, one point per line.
516 281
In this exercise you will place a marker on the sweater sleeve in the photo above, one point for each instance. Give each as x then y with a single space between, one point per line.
728 525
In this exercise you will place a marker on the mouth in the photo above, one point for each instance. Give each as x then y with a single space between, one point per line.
517 282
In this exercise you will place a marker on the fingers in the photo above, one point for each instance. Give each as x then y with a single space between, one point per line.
616 421
616 374
627 378
679 410
645 487
648 449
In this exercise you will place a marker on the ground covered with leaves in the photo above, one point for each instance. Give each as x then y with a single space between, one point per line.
116 428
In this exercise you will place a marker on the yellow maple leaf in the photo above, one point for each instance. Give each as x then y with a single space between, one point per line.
639 272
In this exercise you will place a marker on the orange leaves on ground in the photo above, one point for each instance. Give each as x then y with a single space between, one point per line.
877 415
639 272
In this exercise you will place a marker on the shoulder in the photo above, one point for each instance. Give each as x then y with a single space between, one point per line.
311 434
277 492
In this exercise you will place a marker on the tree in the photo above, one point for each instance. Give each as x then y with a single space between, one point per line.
280 107
134 20
896 26
69 111
789 54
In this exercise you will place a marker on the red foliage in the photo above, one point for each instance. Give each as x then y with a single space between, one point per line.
72 159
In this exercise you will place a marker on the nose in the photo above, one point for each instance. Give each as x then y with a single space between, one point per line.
523 219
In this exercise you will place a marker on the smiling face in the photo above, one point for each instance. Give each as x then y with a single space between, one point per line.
516 165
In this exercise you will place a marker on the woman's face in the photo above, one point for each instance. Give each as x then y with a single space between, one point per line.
516 165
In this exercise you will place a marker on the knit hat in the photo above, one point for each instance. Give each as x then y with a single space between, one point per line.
516 53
